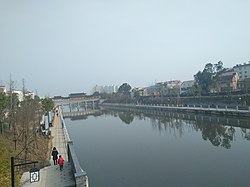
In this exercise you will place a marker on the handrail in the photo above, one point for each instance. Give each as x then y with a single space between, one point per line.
80 175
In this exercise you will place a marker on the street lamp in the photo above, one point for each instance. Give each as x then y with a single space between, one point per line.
34 172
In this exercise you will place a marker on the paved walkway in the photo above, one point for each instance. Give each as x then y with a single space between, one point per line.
52 176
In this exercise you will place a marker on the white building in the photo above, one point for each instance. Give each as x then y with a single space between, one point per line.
186 87
106 89
97 89
20 94
3 89
243 71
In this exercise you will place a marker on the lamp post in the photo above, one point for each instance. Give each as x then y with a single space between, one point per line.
34 172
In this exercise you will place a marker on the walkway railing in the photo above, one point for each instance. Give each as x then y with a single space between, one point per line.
80 175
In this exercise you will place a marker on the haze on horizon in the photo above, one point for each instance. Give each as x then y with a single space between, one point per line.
59 47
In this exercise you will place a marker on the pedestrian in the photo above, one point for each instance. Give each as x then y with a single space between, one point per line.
61 162
55 155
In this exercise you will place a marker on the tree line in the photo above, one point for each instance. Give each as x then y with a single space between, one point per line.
19 130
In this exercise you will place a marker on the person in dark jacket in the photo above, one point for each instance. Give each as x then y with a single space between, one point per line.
54 155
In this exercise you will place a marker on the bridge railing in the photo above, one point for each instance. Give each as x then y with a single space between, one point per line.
77 99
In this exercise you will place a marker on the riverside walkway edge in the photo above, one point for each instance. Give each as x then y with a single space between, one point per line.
80 175
51 176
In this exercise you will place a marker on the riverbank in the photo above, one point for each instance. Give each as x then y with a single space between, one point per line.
230 99
51 176
210 110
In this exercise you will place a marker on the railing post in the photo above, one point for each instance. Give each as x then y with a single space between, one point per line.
68 150
12 172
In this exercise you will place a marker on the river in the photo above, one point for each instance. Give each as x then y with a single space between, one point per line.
135 149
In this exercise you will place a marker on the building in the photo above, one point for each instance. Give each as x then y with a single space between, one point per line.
105 89
20 95
171 88
243 71
110 89
77 95
168 88
226 81
139 92
3 89
97 89
186 87
152 90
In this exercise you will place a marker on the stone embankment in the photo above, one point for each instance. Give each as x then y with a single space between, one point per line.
212 110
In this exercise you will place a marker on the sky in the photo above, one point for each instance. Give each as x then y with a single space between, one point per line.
59 46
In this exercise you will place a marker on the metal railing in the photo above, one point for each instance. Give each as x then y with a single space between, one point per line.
80 175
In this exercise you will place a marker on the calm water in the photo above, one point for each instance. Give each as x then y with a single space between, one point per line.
127 149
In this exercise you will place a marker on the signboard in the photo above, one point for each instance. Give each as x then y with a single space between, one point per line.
34 175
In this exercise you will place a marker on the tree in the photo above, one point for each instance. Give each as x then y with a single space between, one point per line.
96 94
204 78
47 105
245 84
124 89
219 67
208 78
3 106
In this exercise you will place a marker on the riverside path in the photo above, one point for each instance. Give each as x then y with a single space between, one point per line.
51 176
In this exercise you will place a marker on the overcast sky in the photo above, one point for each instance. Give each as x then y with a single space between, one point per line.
64 46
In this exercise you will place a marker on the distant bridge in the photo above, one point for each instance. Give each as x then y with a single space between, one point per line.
77 102
67 100
79 113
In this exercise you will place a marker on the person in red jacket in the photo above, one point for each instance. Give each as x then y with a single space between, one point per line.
61 162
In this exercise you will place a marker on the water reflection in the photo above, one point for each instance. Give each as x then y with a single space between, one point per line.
126 117
217 134
220 131
245 133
